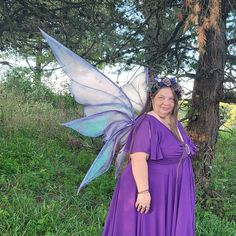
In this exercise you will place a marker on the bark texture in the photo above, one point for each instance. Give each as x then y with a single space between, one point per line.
204 120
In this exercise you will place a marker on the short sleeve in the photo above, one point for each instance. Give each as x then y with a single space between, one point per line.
139 137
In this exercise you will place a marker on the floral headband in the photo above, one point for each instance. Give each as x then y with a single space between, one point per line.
159 83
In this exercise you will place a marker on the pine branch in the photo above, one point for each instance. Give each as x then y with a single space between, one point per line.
229 97
231 58
231 41
6 63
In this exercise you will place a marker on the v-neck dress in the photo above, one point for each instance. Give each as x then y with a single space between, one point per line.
171 185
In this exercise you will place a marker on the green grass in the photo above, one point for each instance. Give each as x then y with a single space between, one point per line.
222 200
42 164
208 224
38 190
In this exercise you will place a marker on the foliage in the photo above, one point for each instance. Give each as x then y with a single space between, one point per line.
229 114
208 224
19 80
145 33
224 114
93 22
222 190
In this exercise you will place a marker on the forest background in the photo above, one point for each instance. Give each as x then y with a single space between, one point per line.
41 163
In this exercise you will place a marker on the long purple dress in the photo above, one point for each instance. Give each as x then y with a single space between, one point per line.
171 185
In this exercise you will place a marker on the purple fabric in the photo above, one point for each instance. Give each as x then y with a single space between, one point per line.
172 211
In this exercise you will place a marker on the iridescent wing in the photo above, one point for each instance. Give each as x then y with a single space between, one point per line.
107 108
89 86
136 90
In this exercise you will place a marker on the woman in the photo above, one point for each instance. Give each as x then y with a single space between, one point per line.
155 194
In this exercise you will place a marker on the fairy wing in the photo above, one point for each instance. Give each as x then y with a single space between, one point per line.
136 90
107 108
104 160
89 86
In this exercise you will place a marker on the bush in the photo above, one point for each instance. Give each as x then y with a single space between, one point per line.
20 80
222 199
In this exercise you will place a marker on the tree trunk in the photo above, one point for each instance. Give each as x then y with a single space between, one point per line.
204 120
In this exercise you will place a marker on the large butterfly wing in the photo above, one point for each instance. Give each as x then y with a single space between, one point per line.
89 86
136 91
103 161
104 123
108 109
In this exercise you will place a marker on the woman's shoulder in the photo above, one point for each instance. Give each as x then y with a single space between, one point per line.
146 119
149 122
142 120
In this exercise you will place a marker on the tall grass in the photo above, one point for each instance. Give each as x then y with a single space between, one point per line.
42 164
222 199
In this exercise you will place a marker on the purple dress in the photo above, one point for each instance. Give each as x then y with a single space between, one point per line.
171 185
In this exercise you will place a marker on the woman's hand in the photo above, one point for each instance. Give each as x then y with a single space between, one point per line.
143 202
140 173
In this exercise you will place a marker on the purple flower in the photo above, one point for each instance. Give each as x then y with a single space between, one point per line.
166 82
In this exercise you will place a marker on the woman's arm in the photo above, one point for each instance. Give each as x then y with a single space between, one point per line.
140 173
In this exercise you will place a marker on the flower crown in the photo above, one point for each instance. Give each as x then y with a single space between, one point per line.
159 83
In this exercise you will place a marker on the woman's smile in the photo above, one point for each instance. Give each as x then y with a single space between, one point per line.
163 102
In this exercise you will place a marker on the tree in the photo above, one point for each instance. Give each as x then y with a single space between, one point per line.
87 27
211 75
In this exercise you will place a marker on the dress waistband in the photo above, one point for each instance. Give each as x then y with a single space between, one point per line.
168 161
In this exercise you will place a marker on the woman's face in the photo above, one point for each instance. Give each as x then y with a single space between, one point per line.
163 103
